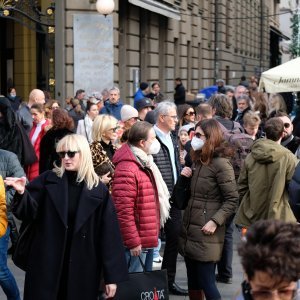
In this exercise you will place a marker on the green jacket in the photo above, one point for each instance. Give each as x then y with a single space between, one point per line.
214 197
262 184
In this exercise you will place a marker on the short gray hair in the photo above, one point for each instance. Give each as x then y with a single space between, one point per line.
163 108
115 88
243 97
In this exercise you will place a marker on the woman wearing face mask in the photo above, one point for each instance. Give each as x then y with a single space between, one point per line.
214 199
15 100
39 129
141 197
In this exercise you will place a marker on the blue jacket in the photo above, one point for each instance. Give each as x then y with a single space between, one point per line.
112 109
138 96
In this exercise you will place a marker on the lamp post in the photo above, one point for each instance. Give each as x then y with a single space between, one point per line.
104 7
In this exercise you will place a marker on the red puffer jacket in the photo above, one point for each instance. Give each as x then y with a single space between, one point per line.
135 196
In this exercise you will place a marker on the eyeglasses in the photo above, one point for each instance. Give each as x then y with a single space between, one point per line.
114 129
191 113
286 125
198 135
173 117
70 154
284 294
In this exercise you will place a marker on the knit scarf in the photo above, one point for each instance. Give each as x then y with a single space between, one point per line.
88 123
163 193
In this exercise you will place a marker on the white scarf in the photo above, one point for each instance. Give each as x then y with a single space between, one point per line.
162 189
88 123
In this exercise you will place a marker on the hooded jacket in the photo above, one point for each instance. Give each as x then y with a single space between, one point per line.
263 184
134 193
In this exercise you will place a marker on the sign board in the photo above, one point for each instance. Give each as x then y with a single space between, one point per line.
93 53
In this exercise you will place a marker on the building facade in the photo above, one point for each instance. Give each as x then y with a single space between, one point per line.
157 40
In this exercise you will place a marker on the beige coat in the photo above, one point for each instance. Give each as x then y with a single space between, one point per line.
263 184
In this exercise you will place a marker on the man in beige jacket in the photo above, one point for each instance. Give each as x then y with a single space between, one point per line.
264 178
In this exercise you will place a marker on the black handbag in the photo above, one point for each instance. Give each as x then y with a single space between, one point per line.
23 245
144 285
181 192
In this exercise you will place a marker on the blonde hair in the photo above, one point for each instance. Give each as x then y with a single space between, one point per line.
276 102
76 142
101 124
251 119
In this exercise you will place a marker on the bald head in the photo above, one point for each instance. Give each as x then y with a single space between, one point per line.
36 96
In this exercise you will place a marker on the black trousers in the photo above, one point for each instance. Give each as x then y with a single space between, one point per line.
225 264
172 230
201 276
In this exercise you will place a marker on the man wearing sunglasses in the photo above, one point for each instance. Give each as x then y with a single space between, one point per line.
270 256
289 141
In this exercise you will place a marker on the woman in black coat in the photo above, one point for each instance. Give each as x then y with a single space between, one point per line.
10 133
77 236
62 125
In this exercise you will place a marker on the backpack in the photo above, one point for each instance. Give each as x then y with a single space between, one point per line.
241 141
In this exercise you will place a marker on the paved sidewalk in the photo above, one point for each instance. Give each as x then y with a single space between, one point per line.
228 291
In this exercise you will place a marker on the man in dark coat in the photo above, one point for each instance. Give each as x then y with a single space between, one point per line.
289 141
179 96
167 160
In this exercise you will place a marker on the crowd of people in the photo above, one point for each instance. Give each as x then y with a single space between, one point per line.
95 176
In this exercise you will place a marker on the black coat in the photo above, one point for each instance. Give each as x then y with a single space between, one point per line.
179 96
96 244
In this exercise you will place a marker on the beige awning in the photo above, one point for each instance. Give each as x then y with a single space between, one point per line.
158 7
283 78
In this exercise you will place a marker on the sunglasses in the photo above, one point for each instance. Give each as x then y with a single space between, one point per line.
113 129
286 125
198 135
192 113
70 154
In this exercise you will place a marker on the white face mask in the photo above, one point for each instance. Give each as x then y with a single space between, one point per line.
154 147
197 143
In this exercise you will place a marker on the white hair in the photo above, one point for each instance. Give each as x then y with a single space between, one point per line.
163 108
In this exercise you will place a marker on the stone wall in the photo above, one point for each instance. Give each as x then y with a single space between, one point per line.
162 48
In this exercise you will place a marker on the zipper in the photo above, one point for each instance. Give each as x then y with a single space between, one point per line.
193 197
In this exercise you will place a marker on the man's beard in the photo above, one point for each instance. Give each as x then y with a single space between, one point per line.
286 137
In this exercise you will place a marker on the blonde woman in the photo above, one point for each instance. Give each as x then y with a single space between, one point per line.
76 223
104 133
276 102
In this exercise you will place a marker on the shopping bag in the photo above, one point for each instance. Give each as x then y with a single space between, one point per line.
144 285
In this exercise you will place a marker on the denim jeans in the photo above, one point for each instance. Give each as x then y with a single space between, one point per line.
156 250
135 264
7 280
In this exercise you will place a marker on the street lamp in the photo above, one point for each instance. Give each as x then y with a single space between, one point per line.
105 7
